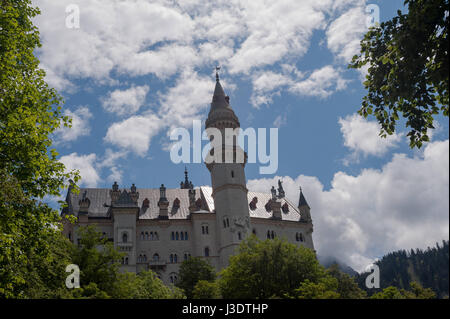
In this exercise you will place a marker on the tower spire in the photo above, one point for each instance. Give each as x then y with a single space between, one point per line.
186 184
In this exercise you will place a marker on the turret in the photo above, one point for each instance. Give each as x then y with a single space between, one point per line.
227 177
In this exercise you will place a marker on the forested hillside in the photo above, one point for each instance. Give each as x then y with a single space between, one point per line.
428 267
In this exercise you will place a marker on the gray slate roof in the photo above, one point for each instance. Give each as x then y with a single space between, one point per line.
99 196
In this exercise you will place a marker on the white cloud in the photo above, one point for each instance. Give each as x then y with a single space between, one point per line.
362 137
80 125
402 206
127 101
86 166
185 101
321 83
345 33
134 133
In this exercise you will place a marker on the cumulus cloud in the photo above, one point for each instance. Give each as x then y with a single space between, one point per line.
85 164
345 33
362 137
184 102
127 101
134 133
321 83
403 205
80 125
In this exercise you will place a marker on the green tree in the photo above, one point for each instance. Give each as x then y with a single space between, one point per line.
268 269
325 288
407 60
416 292
29 170
192 271
97 259
206 290
347 288
33 252
145 285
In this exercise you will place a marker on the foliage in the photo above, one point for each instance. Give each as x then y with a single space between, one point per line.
428 267
407 60
30 111
97 259
145 285
33 252
206 290
32 249
347 288
417 292
268 269
192 271
325 288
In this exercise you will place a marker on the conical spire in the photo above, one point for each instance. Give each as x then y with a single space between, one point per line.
302 201
219 98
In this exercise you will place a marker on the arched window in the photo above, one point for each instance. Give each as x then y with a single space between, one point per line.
70 235
175 258
272 235
151 235
239 236
142 235
186 256
146 235
182 236
124 237
173 236
232 174
155 257
126 260
268 234
177 235
228 222
301 237
207 230
185 235
171 258
254 231
224 223
206 251
203 230
156 235
145 258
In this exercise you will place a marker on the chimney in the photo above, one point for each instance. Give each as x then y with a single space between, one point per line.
163 203
114 193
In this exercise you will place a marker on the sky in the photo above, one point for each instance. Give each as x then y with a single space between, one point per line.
132 71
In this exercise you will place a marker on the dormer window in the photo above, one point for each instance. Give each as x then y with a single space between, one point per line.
285 208
253 203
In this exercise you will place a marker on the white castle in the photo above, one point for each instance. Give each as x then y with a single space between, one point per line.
159 228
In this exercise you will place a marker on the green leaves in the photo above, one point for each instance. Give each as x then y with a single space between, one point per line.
408 69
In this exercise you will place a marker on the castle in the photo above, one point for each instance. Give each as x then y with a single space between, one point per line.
159 228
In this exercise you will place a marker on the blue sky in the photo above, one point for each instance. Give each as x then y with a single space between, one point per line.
134 70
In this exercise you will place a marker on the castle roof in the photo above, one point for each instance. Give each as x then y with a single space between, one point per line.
100 196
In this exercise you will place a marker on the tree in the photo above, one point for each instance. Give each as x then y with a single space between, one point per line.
145 285
407 60
416 292
33 252
206 290
192 271
97 259
325 288
347 288
268 269
29 170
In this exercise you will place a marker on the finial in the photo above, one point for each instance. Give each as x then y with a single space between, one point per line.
217 73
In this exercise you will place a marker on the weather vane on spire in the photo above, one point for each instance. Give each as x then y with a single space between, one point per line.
217 72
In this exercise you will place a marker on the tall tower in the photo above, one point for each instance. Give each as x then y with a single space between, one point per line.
227 178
